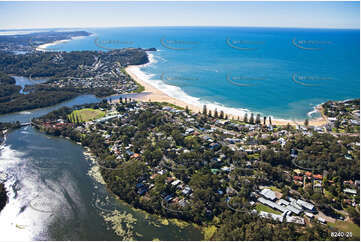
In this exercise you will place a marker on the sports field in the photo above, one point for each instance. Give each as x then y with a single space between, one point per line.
86 114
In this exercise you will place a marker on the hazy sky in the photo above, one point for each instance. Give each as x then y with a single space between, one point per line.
111 14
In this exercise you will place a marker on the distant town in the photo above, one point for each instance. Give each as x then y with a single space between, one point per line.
25 43
67 74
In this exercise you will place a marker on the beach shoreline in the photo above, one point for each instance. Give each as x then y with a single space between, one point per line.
154 93
43 47
157 95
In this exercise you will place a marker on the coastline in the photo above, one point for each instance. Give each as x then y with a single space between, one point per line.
44 47
153 93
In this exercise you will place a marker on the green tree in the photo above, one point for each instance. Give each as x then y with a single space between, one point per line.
187 109
251 119
354 215
306 122
221 115
245 118
204 109
258 119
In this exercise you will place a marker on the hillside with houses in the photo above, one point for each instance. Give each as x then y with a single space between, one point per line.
209 170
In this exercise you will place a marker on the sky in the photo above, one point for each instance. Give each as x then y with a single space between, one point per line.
25 15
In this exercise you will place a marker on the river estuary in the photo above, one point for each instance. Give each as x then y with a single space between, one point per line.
54 196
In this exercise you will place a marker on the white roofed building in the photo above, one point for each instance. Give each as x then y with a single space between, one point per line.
350 191
294 210
306 205
283 202
272 204
269 194
295 219
271 215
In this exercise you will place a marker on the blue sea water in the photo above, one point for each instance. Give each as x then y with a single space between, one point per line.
280 72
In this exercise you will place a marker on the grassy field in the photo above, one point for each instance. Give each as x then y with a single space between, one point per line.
170 105
254 156
264 208
86 114
346 227
273 188
139 89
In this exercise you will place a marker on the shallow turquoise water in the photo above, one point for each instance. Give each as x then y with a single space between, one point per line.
272 71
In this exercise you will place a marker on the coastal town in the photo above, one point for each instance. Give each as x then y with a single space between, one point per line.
101 74
29 41
67 75
196 166
180 121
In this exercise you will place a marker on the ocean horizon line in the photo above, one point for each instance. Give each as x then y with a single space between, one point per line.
178 26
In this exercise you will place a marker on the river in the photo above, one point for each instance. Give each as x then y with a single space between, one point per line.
52 196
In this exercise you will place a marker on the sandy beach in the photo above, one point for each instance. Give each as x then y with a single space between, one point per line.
44 47
154 94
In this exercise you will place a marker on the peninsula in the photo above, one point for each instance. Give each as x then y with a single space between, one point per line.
68 75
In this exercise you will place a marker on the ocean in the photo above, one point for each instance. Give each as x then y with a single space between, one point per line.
278 72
